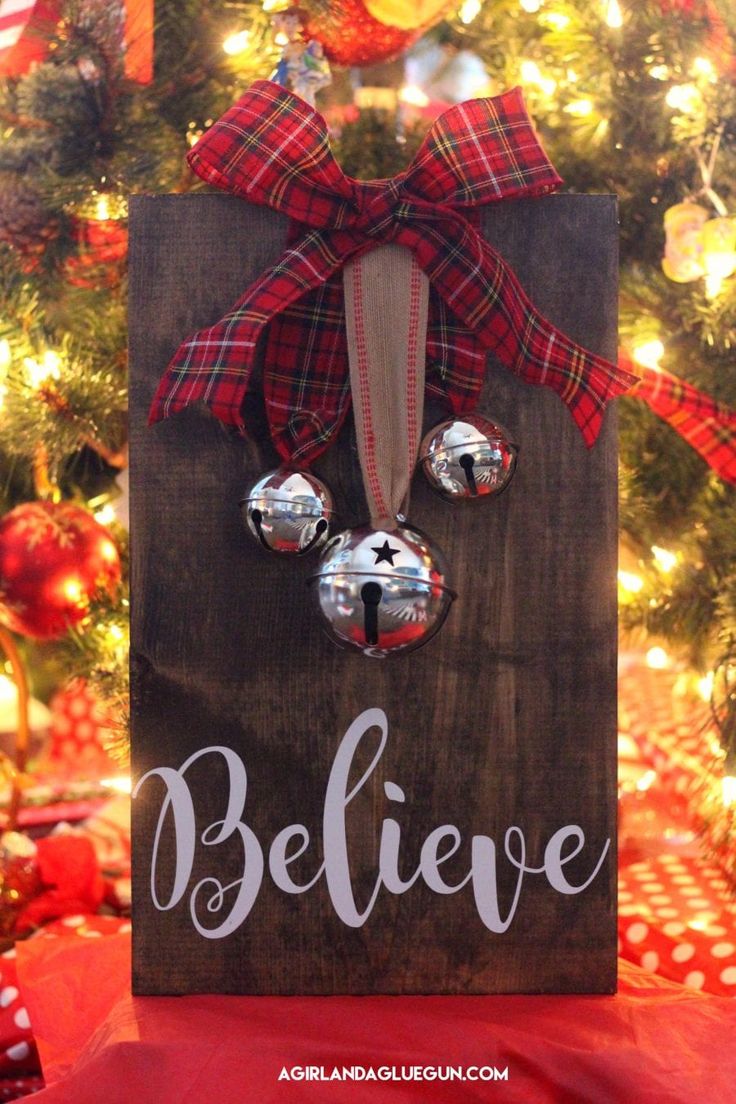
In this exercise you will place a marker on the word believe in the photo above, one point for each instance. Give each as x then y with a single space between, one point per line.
208 896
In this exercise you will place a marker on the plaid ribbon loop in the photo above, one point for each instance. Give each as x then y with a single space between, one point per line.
272 148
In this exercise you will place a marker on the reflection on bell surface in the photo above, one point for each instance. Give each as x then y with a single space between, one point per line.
468 457
381 592
288 511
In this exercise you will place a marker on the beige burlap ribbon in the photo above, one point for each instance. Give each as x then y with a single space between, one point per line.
386 302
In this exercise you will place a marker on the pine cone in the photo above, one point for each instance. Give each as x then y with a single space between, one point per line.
26 224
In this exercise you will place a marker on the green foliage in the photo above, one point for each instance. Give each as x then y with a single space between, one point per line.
370 148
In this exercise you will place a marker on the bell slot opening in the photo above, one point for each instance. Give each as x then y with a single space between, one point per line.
318 531
466 462
257 517
371 594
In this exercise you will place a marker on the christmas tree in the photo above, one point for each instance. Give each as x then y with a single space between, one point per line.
635 99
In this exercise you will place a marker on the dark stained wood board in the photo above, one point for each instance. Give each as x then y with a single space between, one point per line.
507 717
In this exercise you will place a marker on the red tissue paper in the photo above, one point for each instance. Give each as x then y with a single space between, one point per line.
655 1042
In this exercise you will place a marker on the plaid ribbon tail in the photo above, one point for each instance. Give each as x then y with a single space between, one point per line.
483 292
214 365
708 427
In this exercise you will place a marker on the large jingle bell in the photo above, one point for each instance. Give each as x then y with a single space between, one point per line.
380 592
468 457
288 511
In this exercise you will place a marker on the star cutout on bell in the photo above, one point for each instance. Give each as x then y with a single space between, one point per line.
385 553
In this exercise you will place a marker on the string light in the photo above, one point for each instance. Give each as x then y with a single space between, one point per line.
657 659
412 94
660 72
236 43
40 371
531 6
558 21
468 11
649 353
664 559
630 582
729 790
122 784
614 16
684 98
703 67
274 5
104 206
531 74
646 780
6 356
580 108
106 514
705 686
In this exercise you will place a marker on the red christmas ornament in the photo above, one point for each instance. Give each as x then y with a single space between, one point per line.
54 558
102 246
351 33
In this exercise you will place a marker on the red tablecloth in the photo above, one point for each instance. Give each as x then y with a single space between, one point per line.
653 1043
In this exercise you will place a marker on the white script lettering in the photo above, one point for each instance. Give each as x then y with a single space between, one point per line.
209 894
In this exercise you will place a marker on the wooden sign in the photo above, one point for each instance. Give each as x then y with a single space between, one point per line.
312 821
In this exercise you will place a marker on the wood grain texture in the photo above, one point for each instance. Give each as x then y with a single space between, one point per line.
508 717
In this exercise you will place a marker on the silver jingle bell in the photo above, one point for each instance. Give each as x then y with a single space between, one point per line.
381 592
288 511
468 457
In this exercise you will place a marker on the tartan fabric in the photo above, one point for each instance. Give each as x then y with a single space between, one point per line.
272 148
708 426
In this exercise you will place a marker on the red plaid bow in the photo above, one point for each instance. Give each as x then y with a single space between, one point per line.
272 148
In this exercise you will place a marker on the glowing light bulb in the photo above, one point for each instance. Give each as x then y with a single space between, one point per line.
530 71
580 108
6 357
684 98
660 72
646 780
413 94
649 353
274 5
102 208
705 686
556 20
238 42
468 11
106 514
729 790
614 16
630 582
121 784
40 371
664 559
703 67
657 659
531 6
116 632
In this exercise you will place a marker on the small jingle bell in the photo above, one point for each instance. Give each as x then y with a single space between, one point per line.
468 457
380 592
288 511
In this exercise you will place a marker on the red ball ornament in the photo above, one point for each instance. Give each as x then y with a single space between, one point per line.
102 246
364 32
54 558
